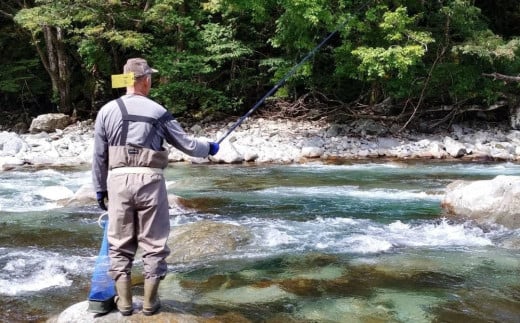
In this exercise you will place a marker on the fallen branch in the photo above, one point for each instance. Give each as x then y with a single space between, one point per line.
498 76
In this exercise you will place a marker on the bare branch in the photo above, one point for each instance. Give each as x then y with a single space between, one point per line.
507 78
6 14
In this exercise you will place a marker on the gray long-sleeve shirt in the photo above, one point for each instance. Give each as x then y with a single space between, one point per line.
108 133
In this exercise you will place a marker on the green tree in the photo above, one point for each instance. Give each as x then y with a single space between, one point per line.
197 53
23 91
48 34
180 37
222 55
86 34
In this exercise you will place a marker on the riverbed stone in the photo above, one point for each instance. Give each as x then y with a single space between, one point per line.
245 295
337 310
492 201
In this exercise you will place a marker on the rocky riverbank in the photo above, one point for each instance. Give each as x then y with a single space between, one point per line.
260 140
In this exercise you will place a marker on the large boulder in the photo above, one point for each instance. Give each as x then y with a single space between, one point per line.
197 241
49 122
78 313
485 201
84 196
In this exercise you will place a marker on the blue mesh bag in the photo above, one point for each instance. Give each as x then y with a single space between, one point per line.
102 288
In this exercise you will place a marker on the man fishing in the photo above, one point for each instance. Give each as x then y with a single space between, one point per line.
127 168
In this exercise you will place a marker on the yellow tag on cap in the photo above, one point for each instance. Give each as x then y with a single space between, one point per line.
122 80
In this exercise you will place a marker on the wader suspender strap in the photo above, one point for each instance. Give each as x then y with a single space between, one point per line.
132 117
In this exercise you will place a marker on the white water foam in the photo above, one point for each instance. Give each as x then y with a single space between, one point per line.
352 191
346 235
24 202
27 272
38 191
506 168
317 167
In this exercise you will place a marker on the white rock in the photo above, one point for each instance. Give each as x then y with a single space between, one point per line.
454 148
11 144
485 201
312 152
55 192
7 162
227 154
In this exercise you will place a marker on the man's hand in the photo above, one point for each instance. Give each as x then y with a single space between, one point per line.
101 196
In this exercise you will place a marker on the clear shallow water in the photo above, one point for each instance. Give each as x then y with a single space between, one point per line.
331 243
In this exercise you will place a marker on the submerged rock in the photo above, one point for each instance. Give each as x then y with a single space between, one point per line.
492 201
245 295
202 239
476 305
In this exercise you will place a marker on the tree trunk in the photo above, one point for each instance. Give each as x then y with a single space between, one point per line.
180 45
514 113
513 100
55 61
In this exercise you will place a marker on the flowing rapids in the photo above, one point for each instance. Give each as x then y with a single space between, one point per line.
329 243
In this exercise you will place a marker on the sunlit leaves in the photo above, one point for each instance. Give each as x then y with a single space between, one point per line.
382 62
404 46
220 52
489 46
221 44
35 18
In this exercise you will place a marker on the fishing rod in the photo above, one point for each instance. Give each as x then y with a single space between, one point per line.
283 80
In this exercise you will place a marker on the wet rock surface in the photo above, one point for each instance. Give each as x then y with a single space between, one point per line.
485 201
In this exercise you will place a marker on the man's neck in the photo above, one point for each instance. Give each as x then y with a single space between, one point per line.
135 92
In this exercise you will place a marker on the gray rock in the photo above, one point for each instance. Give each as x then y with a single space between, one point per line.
49 122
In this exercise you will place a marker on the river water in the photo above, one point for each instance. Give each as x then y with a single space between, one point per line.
361 242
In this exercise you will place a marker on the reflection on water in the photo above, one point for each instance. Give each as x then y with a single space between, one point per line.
365 242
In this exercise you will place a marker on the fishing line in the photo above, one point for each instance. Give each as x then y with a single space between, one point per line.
284 79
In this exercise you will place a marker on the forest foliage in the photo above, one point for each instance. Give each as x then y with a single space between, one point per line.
400 60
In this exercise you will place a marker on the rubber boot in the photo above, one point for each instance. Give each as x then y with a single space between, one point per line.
124 295
151 303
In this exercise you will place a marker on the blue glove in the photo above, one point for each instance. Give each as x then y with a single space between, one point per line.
101 196
213 148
